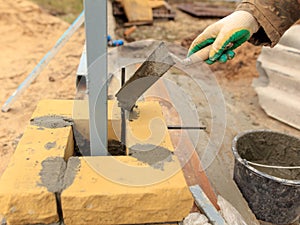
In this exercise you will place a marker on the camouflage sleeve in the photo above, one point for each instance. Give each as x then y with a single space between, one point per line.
274 17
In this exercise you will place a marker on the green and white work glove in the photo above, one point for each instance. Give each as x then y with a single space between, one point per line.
218 40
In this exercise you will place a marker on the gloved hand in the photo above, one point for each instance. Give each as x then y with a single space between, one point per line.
223 37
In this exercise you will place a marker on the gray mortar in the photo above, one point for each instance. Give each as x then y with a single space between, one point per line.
273 149
56 175
155 156
52 174
134 114
50 145
71 171
52 121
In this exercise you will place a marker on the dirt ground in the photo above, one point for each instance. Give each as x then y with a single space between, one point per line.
27 33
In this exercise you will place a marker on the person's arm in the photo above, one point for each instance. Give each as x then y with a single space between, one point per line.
262 22
274 17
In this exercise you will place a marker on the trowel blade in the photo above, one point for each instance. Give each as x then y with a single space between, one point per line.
155 66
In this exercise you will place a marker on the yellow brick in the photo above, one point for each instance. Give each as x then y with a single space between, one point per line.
114 120
40 143
23 200
105 190
95 197
78 110
54 107
149 128
81 119
123 190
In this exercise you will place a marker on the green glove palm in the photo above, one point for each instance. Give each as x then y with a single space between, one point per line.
223 37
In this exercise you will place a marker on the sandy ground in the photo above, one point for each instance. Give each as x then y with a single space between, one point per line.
27 33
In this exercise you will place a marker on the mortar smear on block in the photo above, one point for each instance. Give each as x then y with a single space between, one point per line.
155 156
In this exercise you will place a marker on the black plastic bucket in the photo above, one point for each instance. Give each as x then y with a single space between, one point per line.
273 194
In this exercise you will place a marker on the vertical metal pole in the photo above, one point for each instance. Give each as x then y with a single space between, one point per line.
123 115
96 47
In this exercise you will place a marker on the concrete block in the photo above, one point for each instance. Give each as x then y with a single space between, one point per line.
23 197
95 190
54 107
97 195
77 111
149 127
146 125
146 187
81 119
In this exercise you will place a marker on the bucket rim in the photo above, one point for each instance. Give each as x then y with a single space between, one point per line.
257 172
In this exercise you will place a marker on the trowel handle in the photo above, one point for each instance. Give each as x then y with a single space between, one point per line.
199 56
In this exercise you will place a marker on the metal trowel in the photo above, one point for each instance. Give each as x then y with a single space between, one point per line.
155 66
